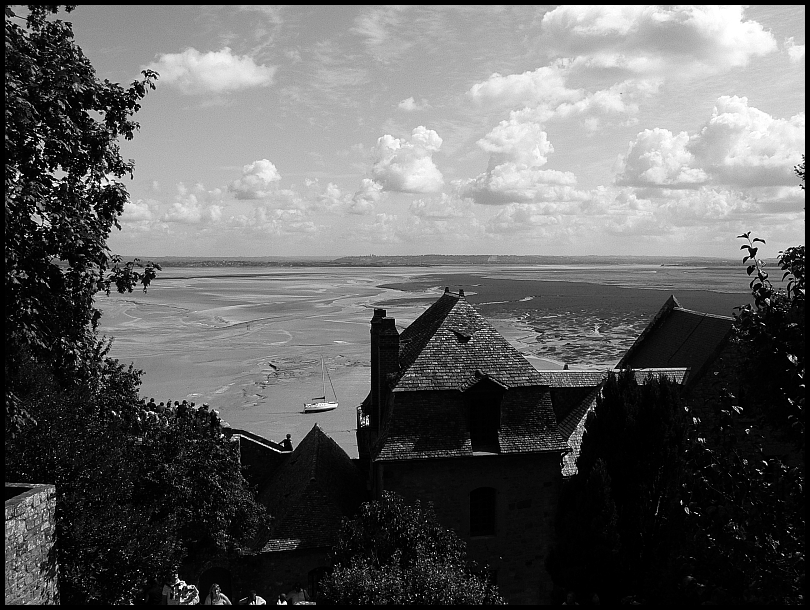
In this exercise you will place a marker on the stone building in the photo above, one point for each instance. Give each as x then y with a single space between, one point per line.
308 492
458 417
32 571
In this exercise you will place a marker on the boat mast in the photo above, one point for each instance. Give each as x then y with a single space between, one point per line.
332 386
323 379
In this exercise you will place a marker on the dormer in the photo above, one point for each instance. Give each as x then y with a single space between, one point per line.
482 402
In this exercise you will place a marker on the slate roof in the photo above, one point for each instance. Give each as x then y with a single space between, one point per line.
444 347
310 493
443 353
678 337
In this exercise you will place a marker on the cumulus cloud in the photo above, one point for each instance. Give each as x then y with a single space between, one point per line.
543 85
407 166
744 146
213 72
410 105
366 198
518 149
738 146
657 157
194 207
655 40
136 211
257 181
795 51
544 95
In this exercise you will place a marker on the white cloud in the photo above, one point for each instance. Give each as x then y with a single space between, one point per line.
522 218
379 27
138 211
257 180
366 198
543 85
543 93
193 207
213 72
410 105
744 146
739 146
655 40
443 208
407 166
657 157
795 51
518 149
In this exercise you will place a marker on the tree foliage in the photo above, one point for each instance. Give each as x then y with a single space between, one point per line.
395 553
137 491
746 504
63 196
700 511
619 515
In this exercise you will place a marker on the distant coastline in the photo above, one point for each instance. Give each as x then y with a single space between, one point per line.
435 260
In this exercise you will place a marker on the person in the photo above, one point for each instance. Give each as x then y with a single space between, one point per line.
216 597
253 600
154 593
298 594
177 593
282 600
287 444
570 600
171 590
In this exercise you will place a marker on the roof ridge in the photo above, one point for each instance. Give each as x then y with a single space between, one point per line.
701 313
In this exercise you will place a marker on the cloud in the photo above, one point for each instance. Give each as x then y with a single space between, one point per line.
795 51
521 218
257 180
519 148
407 166
657 157
139 211
446 207
191 207
738 146
365 200
213 72
409 105
655 40
543 85
744 146
543 93
378 28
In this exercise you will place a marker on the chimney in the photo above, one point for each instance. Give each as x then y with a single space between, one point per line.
384 361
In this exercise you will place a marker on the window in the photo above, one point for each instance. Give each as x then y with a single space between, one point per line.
482 511
484 402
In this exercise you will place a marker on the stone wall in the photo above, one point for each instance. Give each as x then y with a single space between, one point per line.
31 566
527 490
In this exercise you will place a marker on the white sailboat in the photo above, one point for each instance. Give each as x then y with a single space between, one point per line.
319 403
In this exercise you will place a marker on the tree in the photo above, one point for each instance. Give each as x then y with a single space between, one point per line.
63 196
135 492
395 553
618 518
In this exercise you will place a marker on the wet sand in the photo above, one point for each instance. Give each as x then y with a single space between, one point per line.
250 343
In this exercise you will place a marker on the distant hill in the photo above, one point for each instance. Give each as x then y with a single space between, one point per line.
434 260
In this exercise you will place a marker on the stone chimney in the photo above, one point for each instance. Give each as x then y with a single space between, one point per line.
384 361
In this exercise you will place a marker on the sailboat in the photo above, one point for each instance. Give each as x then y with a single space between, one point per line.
319 403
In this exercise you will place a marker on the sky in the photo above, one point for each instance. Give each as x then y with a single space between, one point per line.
356 130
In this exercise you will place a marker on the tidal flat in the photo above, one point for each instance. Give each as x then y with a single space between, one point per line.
249 341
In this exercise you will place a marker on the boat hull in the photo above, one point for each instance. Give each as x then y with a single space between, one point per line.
319 407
